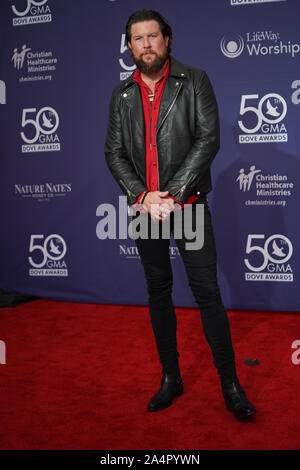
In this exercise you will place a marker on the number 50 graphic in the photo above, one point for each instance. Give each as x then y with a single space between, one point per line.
29 4
265 251
268 104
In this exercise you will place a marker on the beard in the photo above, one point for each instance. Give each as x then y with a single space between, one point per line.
155 66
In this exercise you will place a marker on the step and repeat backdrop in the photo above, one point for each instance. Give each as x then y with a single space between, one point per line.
62 214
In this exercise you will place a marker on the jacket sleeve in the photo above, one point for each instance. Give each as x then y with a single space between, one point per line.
206 142
115 154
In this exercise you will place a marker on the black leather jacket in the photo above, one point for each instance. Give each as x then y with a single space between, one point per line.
187 135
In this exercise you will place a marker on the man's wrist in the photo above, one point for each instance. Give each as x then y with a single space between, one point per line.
144 194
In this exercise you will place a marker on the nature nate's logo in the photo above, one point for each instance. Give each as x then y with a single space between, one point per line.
262 119
35 11
42 192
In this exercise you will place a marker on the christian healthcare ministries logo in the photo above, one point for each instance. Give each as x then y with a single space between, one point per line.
2 92
44 126
48 257
258 43
274 255
39 65
269 189
35 12
262 122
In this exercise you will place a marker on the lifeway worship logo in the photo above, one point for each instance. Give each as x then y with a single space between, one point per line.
47 256
258 43
35 12
262 122
39 65
275 187
2 92
275 253
252 2
45 124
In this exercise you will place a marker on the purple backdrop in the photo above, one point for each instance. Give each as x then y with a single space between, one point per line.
59 61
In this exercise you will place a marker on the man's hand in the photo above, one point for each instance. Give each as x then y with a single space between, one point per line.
159 205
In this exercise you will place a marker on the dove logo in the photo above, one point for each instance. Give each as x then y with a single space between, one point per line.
262 123
275 253
48 256
36 11
232 48
44 138
2 92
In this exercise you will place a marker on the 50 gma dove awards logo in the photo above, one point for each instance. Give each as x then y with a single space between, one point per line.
232 47
40 135
35 11
262 121
270 261
47 255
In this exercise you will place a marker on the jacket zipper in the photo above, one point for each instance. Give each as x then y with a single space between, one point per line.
181 190
170 107
126 189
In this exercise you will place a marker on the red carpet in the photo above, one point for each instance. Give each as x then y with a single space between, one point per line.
79 376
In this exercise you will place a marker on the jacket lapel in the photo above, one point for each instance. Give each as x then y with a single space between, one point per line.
173 83
132 97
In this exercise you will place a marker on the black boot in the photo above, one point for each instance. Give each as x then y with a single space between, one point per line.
171 387
236 401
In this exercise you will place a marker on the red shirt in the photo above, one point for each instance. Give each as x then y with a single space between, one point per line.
151 102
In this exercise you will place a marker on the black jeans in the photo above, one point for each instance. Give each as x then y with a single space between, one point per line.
201 268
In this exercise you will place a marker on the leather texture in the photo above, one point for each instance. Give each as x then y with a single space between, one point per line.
237 402
171 387
187 135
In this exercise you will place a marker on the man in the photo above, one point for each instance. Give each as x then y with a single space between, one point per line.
163 134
